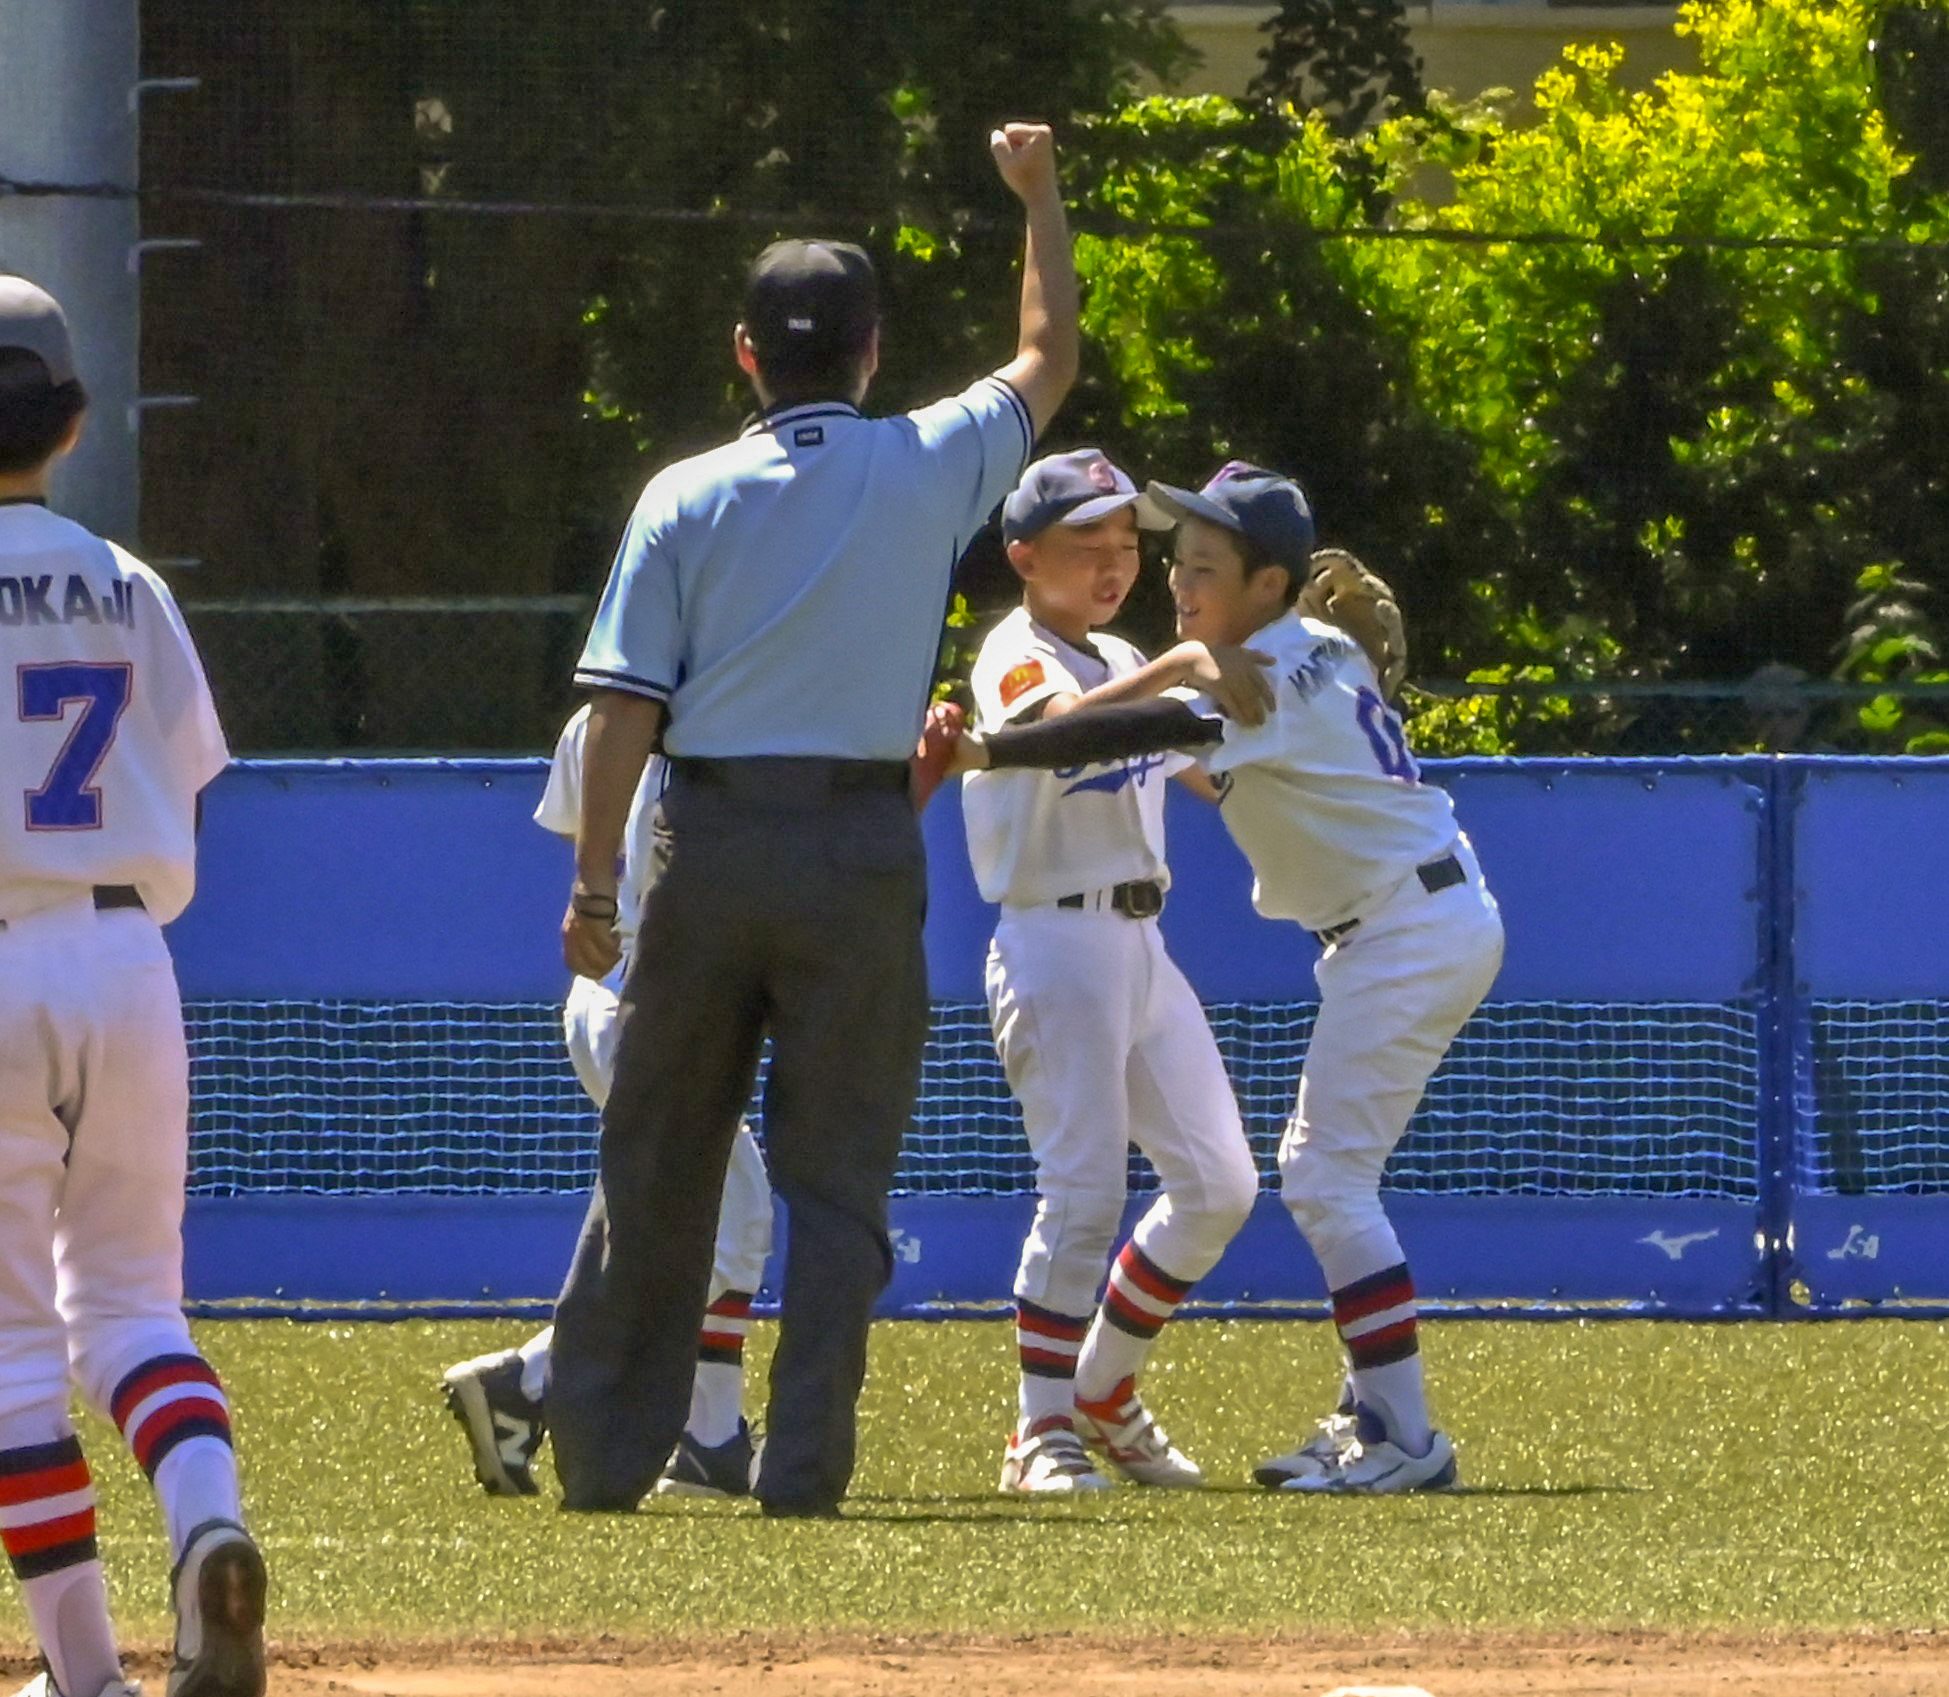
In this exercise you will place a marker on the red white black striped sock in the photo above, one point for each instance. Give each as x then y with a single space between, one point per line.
1138 1299
1376 1320
1046 1344
717 1393
176 1421
167 1401
726 1323
47 1522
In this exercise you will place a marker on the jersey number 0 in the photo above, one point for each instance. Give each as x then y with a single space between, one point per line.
67 799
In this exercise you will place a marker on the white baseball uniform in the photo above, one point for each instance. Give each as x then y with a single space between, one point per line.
1103 1041
107 734
589 1018
1327 803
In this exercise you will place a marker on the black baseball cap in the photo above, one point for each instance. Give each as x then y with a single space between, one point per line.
809 301
1249 501
31 320
1079 487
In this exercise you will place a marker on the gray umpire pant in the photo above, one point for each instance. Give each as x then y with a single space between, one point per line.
786 897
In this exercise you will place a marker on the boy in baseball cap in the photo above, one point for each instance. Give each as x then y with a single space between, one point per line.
1102 1039
41 399
1323 796
114 740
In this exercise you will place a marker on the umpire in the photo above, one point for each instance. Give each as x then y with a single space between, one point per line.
773 614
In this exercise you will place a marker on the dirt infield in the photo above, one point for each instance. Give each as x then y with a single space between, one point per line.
1886 1664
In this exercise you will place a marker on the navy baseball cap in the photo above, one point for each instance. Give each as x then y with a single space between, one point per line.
810 300
1079 487
1252 502
31 319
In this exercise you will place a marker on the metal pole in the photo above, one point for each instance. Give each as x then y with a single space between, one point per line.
68 70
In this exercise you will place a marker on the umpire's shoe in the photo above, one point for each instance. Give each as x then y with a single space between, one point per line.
218 1590
42 1685
504 1427
719 1470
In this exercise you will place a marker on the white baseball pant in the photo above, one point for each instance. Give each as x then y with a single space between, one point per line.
1105 1044
94 1148
1393 994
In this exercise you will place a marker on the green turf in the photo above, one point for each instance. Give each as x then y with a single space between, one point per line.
1617 1474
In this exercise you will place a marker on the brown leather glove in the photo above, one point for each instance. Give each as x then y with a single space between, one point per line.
1341 591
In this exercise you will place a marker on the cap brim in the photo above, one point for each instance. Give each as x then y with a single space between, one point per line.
1175 505
1101 507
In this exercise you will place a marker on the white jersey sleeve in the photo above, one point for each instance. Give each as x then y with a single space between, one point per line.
1324 797
1035 837
111 733
560 808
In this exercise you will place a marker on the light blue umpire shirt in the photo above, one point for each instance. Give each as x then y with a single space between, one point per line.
783 594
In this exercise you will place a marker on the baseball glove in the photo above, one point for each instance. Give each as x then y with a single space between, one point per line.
1341 591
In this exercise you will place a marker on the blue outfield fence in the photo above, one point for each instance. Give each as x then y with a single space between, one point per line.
1712 1078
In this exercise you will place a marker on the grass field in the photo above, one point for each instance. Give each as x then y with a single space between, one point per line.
1617 1474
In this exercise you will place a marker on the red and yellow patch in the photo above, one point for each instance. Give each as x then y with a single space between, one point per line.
1021 680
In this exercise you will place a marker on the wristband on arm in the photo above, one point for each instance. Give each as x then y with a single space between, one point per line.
1084 736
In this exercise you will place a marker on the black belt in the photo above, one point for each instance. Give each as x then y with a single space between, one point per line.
108 896
1435 875
768 773
1143 898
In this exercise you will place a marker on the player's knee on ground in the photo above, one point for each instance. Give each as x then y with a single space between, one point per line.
1332 1195
1068 1249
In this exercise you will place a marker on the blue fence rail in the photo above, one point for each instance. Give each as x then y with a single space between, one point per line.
1712 1078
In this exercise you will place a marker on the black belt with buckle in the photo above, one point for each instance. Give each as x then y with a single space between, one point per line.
110 896
1435 875
1143 898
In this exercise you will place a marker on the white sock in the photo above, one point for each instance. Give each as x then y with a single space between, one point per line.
195 1482
534 1364
716 1402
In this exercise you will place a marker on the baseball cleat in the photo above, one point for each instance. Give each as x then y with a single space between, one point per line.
1049 1462
1134 1444
218 1590
1373 1465
42 1685
1314 1459
721 1470
503 1426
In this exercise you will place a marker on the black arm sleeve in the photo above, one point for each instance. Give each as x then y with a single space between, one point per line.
1080 737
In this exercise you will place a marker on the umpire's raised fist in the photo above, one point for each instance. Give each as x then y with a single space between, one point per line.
1025 154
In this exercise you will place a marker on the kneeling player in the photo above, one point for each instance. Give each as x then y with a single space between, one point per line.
498 1398
1103 1041
1325 799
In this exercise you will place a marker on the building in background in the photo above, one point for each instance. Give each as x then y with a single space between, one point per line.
1466 46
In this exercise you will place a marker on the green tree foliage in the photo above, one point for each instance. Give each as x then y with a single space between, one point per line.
1350 59
1632 452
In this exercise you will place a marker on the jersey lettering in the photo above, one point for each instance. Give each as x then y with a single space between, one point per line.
1133 771
67 799
1385 736
30 601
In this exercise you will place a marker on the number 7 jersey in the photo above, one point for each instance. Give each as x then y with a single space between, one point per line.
107 731
1324 798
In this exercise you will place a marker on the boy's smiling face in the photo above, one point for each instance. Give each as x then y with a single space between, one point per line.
1217 600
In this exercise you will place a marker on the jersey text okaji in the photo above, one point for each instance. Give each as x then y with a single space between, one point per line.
30 601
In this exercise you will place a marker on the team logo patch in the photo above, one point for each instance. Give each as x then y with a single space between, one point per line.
1102 476
1018 683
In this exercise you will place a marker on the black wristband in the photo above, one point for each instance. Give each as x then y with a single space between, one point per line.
592 906
1086 735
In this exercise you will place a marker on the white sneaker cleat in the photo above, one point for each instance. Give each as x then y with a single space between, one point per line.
218 1589
1135 1445
1314 1459
1373 1465
1049 1462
